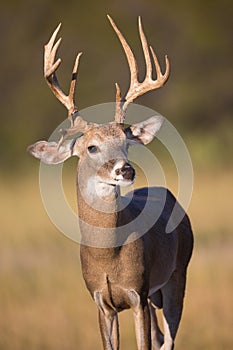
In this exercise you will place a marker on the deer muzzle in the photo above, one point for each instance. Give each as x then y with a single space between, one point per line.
125 172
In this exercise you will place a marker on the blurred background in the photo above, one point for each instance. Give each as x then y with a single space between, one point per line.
43 300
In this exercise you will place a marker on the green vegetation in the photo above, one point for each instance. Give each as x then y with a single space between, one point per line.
44 303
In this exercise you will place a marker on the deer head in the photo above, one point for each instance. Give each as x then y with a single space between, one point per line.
103 148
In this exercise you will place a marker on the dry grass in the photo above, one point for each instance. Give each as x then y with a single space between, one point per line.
43 300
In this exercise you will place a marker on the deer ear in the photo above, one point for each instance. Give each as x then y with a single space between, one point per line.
50 153
144 132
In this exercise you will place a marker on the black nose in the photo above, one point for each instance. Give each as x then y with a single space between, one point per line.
127 171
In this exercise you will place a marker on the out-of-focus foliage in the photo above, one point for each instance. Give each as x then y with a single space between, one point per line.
197 36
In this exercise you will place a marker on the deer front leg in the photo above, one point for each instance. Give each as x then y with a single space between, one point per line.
108 323
142 320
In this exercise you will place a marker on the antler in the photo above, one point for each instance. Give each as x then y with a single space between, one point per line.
136 88
50 67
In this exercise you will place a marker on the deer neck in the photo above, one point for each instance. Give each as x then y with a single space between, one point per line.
98 205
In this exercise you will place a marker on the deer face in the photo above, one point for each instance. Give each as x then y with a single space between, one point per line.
102 149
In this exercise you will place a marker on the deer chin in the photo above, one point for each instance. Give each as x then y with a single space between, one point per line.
124 182
117 182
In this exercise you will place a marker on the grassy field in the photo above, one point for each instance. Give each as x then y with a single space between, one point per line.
43 301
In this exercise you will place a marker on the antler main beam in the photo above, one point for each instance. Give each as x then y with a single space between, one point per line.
50 68
137 88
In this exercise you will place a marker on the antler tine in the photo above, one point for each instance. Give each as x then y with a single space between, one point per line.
74 77
148 84
161 77
145 49
49 54
129 54
50 68
136 88
119 116
132 66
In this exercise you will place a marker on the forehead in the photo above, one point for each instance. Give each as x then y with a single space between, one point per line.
103 133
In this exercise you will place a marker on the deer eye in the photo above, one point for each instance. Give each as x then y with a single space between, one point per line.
92 149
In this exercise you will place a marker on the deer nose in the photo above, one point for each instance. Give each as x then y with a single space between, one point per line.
127 171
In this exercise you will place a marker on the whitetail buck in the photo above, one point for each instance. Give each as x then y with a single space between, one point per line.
146 272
